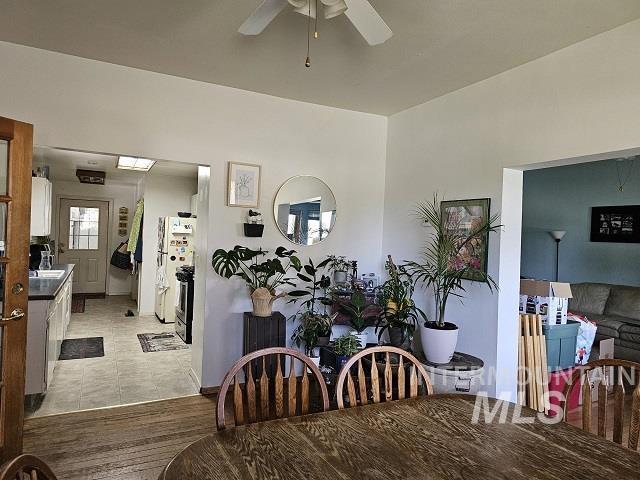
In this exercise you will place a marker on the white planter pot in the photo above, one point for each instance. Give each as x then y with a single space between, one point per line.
316 361
438 345
339 277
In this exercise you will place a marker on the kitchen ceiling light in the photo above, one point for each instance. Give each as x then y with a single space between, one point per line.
134 163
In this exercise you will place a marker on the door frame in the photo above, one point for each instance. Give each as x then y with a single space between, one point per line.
110 201
14 331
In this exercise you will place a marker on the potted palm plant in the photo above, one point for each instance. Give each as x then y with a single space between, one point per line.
399 314
442 271
355 310
263 278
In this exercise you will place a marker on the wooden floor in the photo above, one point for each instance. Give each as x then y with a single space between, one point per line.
131 442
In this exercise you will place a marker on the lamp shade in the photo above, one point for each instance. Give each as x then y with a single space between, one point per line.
557 235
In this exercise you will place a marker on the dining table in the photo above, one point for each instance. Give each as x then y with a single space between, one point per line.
432 437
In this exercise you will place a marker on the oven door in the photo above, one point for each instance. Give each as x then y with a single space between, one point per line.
181 308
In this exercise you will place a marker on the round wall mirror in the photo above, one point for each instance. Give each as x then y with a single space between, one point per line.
305 210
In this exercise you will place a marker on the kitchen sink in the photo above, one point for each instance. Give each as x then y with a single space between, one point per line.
49 273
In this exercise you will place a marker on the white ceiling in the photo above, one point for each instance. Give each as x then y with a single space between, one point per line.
438 45
63 164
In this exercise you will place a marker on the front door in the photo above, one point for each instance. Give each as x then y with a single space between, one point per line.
83 241
16 149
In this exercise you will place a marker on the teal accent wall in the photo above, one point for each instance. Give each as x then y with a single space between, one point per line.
561 198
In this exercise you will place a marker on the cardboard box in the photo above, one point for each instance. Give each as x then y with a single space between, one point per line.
548 299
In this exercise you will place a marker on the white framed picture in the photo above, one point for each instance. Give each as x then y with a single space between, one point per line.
243 185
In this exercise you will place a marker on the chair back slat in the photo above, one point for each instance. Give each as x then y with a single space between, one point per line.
292 386
238 407
388 372
351 390
634 428
618 411
264 391
413 382
267 386
388 379
375 382
602 409
586 404
279 389
362 384
611 376
304 393
250 387
26 467
402 389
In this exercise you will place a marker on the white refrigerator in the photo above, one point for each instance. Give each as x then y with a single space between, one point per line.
176 237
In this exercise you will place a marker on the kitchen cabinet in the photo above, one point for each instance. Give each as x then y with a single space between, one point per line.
40 207
49 316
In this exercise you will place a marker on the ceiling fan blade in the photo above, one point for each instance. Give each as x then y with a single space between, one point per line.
370 25
262 16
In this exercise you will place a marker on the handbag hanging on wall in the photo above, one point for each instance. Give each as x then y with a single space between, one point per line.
121 258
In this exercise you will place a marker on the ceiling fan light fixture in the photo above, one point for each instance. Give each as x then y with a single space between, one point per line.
335 9
305 10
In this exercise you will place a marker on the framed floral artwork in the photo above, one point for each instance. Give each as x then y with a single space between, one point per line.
463 216
243 185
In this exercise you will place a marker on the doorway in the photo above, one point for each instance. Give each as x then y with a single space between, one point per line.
83 240
121 353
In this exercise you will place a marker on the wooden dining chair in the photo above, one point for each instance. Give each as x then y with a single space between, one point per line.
612 375
259 388
365 394
26 467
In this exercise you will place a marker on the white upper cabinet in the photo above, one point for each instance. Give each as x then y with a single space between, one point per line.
40 207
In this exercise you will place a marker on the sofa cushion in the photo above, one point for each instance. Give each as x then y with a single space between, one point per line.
630 332
589 297
624 302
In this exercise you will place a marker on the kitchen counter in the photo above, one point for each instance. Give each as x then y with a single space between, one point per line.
47 288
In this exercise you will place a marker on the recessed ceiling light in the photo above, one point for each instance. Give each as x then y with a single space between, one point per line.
134 163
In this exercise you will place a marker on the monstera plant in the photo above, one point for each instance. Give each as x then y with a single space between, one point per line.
262 273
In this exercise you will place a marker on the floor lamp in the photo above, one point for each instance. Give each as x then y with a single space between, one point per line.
557 235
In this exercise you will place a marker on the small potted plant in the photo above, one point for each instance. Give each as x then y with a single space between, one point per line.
263 278
315 324
344 347
399 315
355 310
442 271
311 328
339 266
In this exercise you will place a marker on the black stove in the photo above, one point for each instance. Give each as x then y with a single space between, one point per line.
184 309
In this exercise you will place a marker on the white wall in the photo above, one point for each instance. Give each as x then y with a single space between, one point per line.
121 195
88 105
164 196
578 101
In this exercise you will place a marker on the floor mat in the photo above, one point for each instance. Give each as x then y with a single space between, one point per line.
75 348
77 303
160 342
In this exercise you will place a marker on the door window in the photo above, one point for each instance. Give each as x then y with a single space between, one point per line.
84 228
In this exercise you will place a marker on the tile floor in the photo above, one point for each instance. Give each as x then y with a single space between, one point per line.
125 374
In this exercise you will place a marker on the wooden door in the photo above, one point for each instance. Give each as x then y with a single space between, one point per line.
16 148
83 241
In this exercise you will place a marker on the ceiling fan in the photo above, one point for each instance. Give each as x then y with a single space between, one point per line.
360 12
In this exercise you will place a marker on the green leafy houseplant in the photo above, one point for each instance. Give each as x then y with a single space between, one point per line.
315 323
440 269
355 309
346 345
311 328
262 277
399 314
338 264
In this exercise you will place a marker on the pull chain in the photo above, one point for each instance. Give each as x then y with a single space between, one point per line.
307 63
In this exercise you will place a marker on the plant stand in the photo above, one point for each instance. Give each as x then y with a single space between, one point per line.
264 332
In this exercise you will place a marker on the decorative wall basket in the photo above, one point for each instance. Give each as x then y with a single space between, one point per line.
253 229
